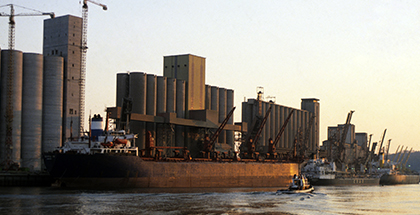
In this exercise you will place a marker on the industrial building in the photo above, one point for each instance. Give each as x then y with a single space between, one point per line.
355 145
179 109
63 37
303 122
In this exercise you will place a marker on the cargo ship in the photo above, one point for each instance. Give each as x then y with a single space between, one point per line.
399 178
112 160
320 172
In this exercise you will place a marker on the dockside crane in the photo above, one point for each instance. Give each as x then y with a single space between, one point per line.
402 157
8 163
83 61
211 142
381 151
399 154
252 138
387 150
283 127
396 152
408 156
341 147
368 156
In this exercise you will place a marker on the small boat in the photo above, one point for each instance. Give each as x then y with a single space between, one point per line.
300 184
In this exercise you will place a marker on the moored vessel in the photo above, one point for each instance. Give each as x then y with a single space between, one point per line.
320 172
398 178
112 160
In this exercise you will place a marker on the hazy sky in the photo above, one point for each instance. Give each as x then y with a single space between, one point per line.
352 55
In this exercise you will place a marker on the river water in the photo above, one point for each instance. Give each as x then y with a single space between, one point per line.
401 199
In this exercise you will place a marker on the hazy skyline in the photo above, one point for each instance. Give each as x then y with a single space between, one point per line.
352 55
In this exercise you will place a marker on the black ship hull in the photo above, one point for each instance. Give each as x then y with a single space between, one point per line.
108 170
394 179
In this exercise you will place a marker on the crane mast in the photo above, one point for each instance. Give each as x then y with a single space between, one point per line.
83 61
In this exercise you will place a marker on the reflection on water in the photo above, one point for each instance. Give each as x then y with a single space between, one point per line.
325 200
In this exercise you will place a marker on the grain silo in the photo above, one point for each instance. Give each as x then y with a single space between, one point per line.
52 107
32 111
12 85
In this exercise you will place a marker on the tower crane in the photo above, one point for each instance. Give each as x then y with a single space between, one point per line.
8 163
83 60
12 22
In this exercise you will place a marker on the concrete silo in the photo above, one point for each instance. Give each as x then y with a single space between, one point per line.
171 96
122 88
14 60
137 92
32 111
52 107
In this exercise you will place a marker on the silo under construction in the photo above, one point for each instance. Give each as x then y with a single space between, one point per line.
52 107
32 111
11 97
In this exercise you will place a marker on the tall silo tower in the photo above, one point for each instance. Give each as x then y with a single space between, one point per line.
63 37
12 151
32 110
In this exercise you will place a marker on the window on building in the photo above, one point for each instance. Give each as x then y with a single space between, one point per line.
71 111
75 111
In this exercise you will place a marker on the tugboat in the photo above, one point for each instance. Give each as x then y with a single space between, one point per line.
300 184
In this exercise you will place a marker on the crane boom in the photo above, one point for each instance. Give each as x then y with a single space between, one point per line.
396 152
382 142
399 154
344 135
387 149
220 128
104 7
403 155
408 156
282 128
